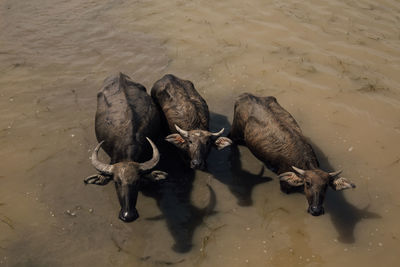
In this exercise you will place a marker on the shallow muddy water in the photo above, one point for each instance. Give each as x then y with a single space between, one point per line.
333 64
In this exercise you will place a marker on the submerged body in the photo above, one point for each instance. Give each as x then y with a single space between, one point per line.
275 138
271 134
187 118
126 116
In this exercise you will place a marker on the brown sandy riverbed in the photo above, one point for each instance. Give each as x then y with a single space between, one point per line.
334 65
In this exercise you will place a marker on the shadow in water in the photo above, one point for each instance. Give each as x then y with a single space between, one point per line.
344 215
173 198
226 167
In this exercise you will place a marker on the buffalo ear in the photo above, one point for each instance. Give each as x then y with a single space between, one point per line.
176 139
291 178
341 183
222 142
157 175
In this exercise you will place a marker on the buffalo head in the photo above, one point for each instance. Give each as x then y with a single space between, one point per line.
197 144
316 183
126 176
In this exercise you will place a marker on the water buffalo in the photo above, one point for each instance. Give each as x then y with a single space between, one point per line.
187 116
126 116
275 138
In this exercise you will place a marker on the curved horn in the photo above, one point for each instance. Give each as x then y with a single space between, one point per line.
182 132
100 166
145 166
282 176
218 133
300 171
334 174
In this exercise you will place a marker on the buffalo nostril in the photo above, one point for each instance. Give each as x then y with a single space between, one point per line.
316 210
195 163
200 166
128 216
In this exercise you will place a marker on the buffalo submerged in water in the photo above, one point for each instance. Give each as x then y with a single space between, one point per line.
275 138
187 116
126 119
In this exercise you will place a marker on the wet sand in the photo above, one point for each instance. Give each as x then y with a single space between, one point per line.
332 64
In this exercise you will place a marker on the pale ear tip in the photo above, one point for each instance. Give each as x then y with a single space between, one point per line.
168 139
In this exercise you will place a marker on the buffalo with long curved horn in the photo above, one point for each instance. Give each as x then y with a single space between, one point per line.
125 116
108 170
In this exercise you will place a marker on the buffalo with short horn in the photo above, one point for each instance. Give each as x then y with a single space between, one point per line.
275 138
126 119
187 117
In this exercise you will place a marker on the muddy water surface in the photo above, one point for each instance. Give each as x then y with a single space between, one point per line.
333 64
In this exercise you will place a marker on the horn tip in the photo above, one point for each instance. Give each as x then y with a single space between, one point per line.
150 141
98 146
298 170
100 143
336 173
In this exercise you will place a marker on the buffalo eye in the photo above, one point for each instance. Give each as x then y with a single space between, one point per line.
308 184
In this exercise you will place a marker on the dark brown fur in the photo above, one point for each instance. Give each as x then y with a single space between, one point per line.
125 116
183 106
181 103
275 138
271 134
